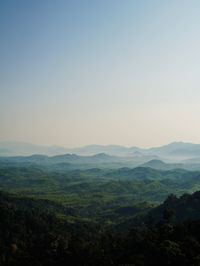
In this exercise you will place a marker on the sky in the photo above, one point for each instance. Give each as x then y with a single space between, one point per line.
80 72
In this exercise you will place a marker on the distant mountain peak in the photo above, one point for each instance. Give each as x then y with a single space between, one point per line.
174 151
155 161
101 155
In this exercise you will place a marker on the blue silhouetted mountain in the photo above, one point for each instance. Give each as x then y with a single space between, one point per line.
158 164
173 152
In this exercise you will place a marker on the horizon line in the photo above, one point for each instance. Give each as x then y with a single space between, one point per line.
93 144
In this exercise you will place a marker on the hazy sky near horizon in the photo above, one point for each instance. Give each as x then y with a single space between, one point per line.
78 72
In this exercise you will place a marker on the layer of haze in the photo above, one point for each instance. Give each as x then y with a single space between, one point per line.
76 72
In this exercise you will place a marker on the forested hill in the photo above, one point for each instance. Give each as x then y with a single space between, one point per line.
98 216
33 233
186 207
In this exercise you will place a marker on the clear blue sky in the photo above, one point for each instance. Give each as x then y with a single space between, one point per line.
78 72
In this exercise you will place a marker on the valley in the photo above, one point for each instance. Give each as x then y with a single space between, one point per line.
86 209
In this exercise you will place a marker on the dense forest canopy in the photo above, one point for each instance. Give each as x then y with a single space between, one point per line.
52 215
33 232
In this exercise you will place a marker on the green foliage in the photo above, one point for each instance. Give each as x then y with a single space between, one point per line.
83 217
31 233
98 194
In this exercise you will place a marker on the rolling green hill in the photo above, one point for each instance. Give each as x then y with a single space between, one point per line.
98 194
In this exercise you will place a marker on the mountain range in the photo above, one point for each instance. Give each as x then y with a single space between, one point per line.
173 152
